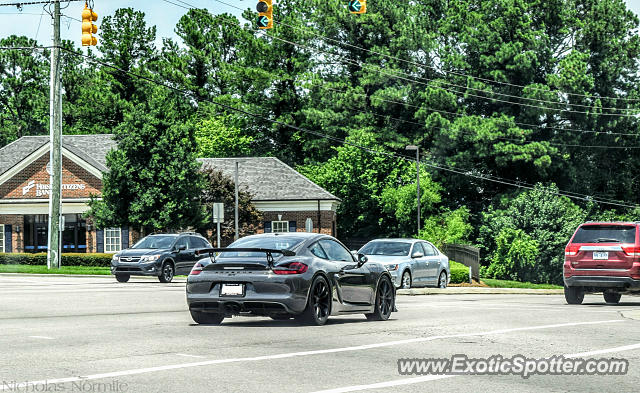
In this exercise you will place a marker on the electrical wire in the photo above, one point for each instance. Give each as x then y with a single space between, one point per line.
189 96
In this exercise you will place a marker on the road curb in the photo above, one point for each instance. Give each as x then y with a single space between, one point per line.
478 291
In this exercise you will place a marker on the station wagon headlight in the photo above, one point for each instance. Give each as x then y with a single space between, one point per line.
150 258
392 268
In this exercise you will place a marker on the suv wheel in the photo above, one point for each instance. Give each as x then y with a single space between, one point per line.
573 295
612 297
166 275
123 277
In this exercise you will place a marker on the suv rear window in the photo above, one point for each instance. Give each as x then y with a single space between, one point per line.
605 234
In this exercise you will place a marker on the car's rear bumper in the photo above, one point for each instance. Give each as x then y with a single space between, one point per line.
264 294
602 282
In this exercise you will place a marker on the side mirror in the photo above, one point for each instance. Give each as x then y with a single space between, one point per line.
182 247
362 259
417 254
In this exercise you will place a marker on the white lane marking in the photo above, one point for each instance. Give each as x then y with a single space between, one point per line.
601 351
426 378
189 356
514 308
43 337
297 354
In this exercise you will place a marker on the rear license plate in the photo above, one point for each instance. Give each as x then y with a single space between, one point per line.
232 290
600 255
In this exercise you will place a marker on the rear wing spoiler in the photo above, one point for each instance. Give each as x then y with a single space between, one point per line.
268 251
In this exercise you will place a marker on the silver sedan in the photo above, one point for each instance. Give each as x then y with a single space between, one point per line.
411 262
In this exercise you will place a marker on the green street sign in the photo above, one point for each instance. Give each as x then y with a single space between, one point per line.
355 6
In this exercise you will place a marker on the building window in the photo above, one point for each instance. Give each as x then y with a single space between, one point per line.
2 248
112 240
280 226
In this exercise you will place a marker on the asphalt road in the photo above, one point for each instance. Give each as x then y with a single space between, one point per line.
95 335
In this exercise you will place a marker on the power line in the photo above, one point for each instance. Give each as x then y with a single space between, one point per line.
187 94
23 3
437 69
412 79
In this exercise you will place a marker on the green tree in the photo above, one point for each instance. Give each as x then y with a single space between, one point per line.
542 215
221 189
515 258
447 227
221 137
24 91
154 181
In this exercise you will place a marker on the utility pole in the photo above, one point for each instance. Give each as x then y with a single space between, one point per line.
236 236
417 149
55 145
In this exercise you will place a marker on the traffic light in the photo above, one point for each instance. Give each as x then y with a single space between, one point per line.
88 28
357 6
265 14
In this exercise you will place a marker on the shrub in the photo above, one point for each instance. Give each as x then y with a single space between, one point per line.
96 260
459 272
515 258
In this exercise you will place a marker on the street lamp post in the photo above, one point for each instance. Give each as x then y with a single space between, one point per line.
417 149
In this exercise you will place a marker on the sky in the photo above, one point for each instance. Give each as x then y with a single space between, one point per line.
32 22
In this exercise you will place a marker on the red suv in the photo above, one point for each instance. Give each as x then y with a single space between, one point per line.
602 257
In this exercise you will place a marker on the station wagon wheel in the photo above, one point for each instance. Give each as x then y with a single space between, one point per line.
385 299
442 281
319 303
167 272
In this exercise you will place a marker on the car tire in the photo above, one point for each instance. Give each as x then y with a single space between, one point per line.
442 280
406 280
318 303
123 277
206 318
612 297
573 295
385 301
167 272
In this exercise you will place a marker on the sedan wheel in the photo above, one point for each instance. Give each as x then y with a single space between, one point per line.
319 303
385 299
442 281
167 272
406 280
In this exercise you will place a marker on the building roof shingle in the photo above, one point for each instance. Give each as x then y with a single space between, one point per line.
269 179
91 148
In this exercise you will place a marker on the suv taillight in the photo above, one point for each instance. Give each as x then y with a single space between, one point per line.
633 251
571 250
197 269
291 268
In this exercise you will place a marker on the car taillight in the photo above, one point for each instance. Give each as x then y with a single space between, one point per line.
571 250
291 268
632 251
197 269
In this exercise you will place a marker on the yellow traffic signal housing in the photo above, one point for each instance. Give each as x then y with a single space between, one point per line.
358 6
265 14
88 28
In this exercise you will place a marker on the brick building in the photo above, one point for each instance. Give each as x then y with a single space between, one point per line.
289 201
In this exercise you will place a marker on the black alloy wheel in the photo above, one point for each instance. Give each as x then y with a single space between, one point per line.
167 272
319 303
206 318
385 299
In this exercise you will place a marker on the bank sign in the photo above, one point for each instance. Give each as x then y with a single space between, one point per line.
45 189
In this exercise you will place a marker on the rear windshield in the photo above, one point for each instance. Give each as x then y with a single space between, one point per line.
270 242
386 248
605 234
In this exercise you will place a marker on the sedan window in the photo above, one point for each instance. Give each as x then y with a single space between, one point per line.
430 251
